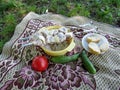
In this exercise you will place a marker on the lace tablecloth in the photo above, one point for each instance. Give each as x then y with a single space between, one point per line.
15 63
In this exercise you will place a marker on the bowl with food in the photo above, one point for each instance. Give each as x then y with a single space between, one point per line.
59 40
95 43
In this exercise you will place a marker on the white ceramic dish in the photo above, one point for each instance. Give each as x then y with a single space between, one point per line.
85 43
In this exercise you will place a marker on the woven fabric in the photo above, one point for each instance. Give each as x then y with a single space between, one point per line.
15 63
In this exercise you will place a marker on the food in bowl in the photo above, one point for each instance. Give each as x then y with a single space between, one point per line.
59 40
95 43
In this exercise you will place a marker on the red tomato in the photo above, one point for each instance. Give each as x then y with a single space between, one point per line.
40 63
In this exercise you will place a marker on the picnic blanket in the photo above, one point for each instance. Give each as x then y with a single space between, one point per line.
15 63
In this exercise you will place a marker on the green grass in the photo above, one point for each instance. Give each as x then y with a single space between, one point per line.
12 12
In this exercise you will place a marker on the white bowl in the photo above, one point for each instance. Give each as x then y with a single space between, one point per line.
85 43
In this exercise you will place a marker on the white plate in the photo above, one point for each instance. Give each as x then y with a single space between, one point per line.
85 43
